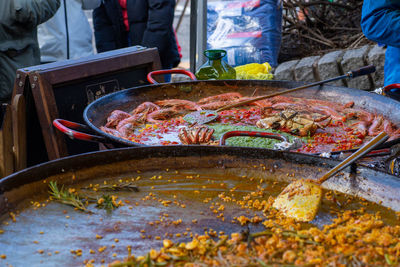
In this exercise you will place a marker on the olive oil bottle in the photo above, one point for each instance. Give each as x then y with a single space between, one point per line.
215 68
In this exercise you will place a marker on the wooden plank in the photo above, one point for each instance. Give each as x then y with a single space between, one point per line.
34 142
6 142
20 82
19 131
64 71
47 110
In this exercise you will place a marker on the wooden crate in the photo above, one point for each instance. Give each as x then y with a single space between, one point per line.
63 90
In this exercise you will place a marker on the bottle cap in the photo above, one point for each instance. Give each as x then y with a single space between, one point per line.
215 53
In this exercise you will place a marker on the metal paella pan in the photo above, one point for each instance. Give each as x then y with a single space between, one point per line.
178 190
96 113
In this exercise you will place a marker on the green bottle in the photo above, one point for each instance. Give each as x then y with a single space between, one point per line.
215 68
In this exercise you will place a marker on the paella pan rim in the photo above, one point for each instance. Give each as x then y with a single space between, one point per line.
100 158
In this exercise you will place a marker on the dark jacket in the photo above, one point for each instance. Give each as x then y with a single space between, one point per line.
18 38
150 25
380 22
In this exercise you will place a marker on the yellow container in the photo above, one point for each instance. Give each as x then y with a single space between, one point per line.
254 71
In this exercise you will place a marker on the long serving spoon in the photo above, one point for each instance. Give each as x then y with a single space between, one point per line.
205 116
301 199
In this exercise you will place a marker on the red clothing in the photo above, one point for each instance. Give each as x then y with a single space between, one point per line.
122 3
178 45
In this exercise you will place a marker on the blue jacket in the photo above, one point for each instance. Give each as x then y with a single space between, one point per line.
380 22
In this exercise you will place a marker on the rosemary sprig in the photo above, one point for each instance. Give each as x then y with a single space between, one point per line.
388 261
64 196
115 187
106 202
124 264
221 242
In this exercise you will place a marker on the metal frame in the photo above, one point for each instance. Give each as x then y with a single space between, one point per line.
198 33
181 15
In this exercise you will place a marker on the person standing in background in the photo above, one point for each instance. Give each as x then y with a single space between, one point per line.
68 34
123 23
380 22
18 37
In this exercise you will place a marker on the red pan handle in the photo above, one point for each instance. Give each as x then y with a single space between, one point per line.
251 134
176 71
69 128
389 87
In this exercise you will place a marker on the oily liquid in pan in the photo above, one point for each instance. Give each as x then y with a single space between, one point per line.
169 205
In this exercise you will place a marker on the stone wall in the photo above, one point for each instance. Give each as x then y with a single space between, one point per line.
337 63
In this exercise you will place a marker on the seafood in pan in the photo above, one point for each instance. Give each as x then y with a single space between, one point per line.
323 126
298 123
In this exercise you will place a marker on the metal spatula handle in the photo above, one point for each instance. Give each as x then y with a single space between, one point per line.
376 141
351 74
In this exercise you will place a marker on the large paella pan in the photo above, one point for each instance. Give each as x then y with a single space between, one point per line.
168 206
318 119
